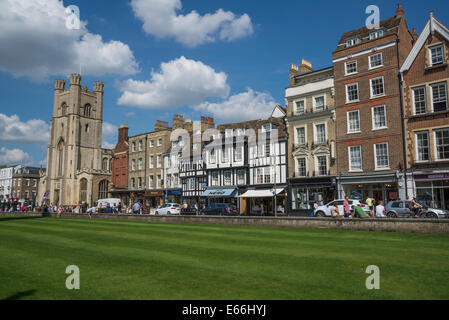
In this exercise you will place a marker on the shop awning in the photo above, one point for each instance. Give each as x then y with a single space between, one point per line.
264 193
225 192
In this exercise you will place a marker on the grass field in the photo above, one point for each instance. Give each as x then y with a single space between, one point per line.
141 260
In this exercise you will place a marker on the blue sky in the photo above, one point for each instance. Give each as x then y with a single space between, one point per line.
236 71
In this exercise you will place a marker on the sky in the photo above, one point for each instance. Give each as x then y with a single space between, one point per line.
226 59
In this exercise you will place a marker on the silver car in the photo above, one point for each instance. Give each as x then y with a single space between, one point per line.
400 209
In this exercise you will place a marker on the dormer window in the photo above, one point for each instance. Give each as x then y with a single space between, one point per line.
352 42
266 127
436 55
376 34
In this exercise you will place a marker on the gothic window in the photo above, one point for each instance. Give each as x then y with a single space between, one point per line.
87 128
103 189
104 165
87 110
63 109
60 149
83 190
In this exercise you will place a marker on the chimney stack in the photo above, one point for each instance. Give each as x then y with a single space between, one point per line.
178 121
122 134
305 66
399 11
414 35
161 125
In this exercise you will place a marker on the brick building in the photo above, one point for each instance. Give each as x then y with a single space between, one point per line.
311 131
120 166
370 150
425 75
25 183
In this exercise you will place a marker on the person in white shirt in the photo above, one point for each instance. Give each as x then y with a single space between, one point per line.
380 210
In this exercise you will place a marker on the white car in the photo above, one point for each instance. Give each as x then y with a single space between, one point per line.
325 211
168 208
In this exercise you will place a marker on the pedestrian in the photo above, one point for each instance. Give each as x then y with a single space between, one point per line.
347 209
335 212
315 205
136 208
360 212
119 208
196 208
369 202
380 210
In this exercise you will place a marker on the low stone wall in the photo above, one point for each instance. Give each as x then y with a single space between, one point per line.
388 225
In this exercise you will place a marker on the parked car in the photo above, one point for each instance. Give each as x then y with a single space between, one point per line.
220 209
168 208
325 211
400 209
189 211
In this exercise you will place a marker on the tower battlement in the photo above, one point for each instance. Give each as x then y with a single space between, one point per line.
98 86
59 84
75 79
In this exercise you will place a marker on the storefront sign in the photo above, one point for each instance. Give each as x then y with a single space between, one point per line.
174 192
434 176
153 193
219 193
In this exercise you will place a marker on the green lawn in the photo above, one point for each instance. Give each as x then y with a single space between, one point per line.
140 260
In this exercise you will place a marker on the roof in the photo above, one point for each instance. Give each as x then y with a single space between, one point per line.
433 24
256 124
388 25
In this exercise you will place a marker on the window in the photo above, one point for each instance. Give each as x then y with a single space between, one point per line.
376 34
133 165
140 145
212 156
319 103
300 107
168 162
267 175
34 183
159 142
87 110
352 92
436 55
151 143
133 183
103 189
225 155
302 169
351 67
159 181
151 182
439 97
422 146
377 87
241 177
352 42
320 133
18 182
140 164
139 182
159 160
238 154
266 127
134 147
442 144
419 100
227 178
355 158
301 136
353 121
27 195
214 178
375 60
151 162
322 165
381 155
27 182
379 117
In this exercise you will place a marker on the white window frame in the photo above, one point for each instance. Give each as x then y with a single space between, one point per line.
356 67
229 172
140 145
376 167
370 62
297 167
159 142
296 134
133 146
224 153
361 159
133 165
140 164
435 150
347 95
151 143
431 93
317 168
377 34
371 87
430 54
239 182
315 132
151 162
314 102
347 121
416 146
210 156
296 109
373 120
414 101
159 161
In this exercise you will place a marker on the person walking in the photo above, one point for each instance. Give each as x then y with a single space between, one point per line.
346 208
136 208
369 201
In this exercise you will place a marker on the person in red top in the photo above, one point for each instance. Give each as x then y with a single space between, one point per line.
347 209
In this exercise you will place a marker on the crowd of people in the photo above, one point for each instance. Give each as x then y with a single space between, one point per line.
14 205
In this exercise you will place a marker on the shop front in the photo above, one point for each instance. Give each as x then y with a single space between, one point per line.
153 198
261 202
304 192
221 195
432 189
173 196
386 187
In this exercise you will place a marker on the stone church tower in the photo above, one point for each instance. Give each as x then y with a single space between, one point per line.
78 169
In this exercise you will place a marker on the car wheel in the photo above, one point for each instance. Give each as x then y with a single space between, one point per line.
432 215
169 212
392 215
320 214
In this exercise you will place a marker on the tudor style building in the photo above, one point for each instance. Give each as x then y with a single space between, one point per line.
370 149
311 131
425 75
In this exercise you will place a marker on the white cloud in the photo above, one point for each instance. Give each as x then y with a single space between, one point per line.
249 105
161 18
14 156
180 82
35 42
13 130
109 132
